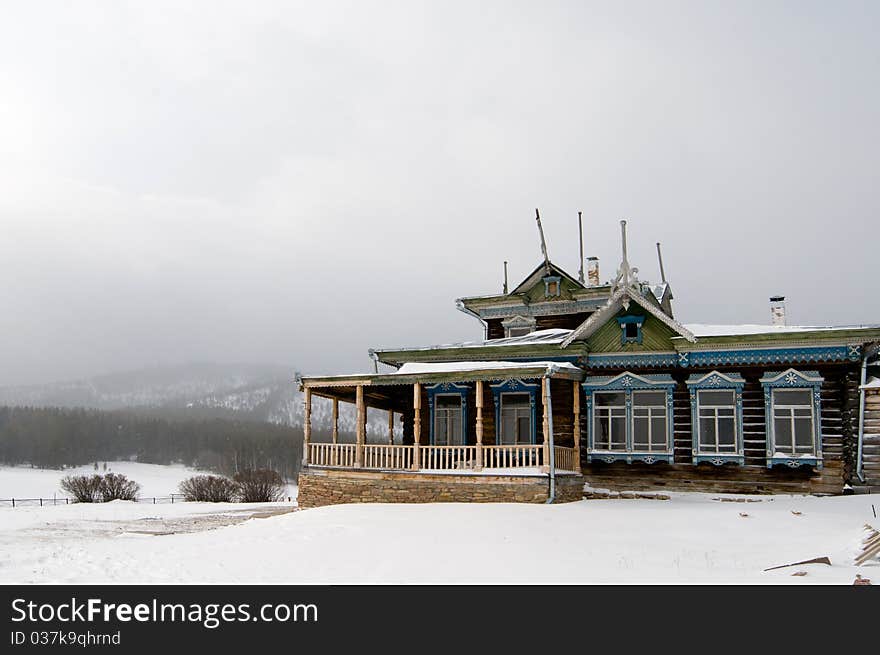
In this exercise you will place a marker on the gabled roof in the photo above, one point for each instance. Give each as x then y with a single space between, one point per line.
535 276
618 299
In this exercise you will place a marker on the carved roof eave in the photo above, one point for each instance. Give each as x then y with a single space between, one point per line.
478 353
397 379
800 339
618 300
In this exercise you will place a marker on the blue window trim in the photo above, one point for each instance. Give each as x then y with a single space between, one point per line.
448 389
793 379
712 381
623 321
629 382
547 280
515 386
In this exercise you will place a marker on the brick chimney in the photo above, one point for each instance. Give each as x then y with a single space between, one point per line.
777 310
592 271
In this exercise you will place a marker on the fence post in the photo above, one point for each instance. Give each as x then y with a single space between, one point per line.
154 500
66 501
41 502
172 499
13 502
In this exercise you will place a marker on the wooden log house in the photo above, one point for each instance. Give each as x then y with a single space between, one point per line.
577 381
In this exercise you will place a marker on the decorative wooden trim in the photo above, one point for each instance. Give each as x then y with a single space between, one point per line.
576 389
793 379
447 389
627 382
361 428
417 424
545 393
479 426
515 386
716 380
307 425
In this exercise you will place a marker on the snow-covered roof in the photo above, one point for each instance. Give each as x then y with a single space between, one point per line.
705 330
552 335
872 383
411 368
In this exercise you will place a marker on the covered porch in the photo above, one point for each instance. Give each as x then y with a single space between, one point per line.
485 418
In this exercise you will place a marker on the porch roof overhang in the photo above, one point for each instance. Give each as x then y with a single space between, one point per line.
428 373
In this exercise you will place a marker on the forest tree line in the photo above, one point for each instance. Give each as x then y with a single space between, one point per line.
58 437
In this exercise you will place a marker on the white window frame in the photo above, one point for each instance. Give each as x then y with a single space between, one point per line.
774 405
628 384
793 380
716 381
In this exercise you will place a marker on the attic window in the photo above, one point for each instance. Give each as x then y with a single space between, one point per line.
631 329
518 326
551 286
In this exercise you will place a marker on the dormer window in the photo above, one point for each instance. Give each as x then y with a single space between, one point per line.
551 286
518 326
631 329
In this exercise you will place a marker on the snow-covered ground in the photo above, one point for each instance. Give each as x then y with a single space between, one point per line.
155 479
688 539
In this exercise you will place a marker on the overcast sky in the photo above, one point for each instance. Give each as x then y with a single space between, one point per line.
294 183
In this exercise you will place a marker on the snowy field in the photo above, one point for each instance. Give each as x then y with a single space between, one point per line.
155 479
688 539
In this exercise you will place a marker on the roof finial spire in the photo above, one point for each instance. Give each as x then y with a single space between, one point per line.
505 277
627 276
543 243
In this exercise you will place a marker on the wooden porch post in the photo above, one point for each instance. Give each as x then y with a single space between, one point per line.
336 420
479 464
307 425
390 427
361 427
417 424
545 387
576 386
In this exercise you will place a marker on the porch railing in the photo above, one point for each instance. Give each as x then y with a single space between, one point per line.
519 456
333 454
447 458
439 458
565 458
388 457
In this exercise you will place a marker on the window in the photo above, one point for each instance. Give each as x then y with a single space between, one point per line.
649 421
447 404
631 329
518 331
518 326
793 422
717 422
629 418
447 421
516 419
716 417
551 286
792 404
514 412
609 421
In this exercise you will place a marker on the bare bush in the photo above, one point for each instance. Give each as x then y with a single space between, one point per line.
260 486
83 488
209 489
115 486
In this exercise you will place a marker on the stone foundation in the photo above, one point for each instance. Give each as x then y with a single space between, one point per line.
335 486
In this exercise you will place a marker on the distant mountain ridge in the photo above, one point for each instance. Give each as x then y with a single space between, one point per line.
255 392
